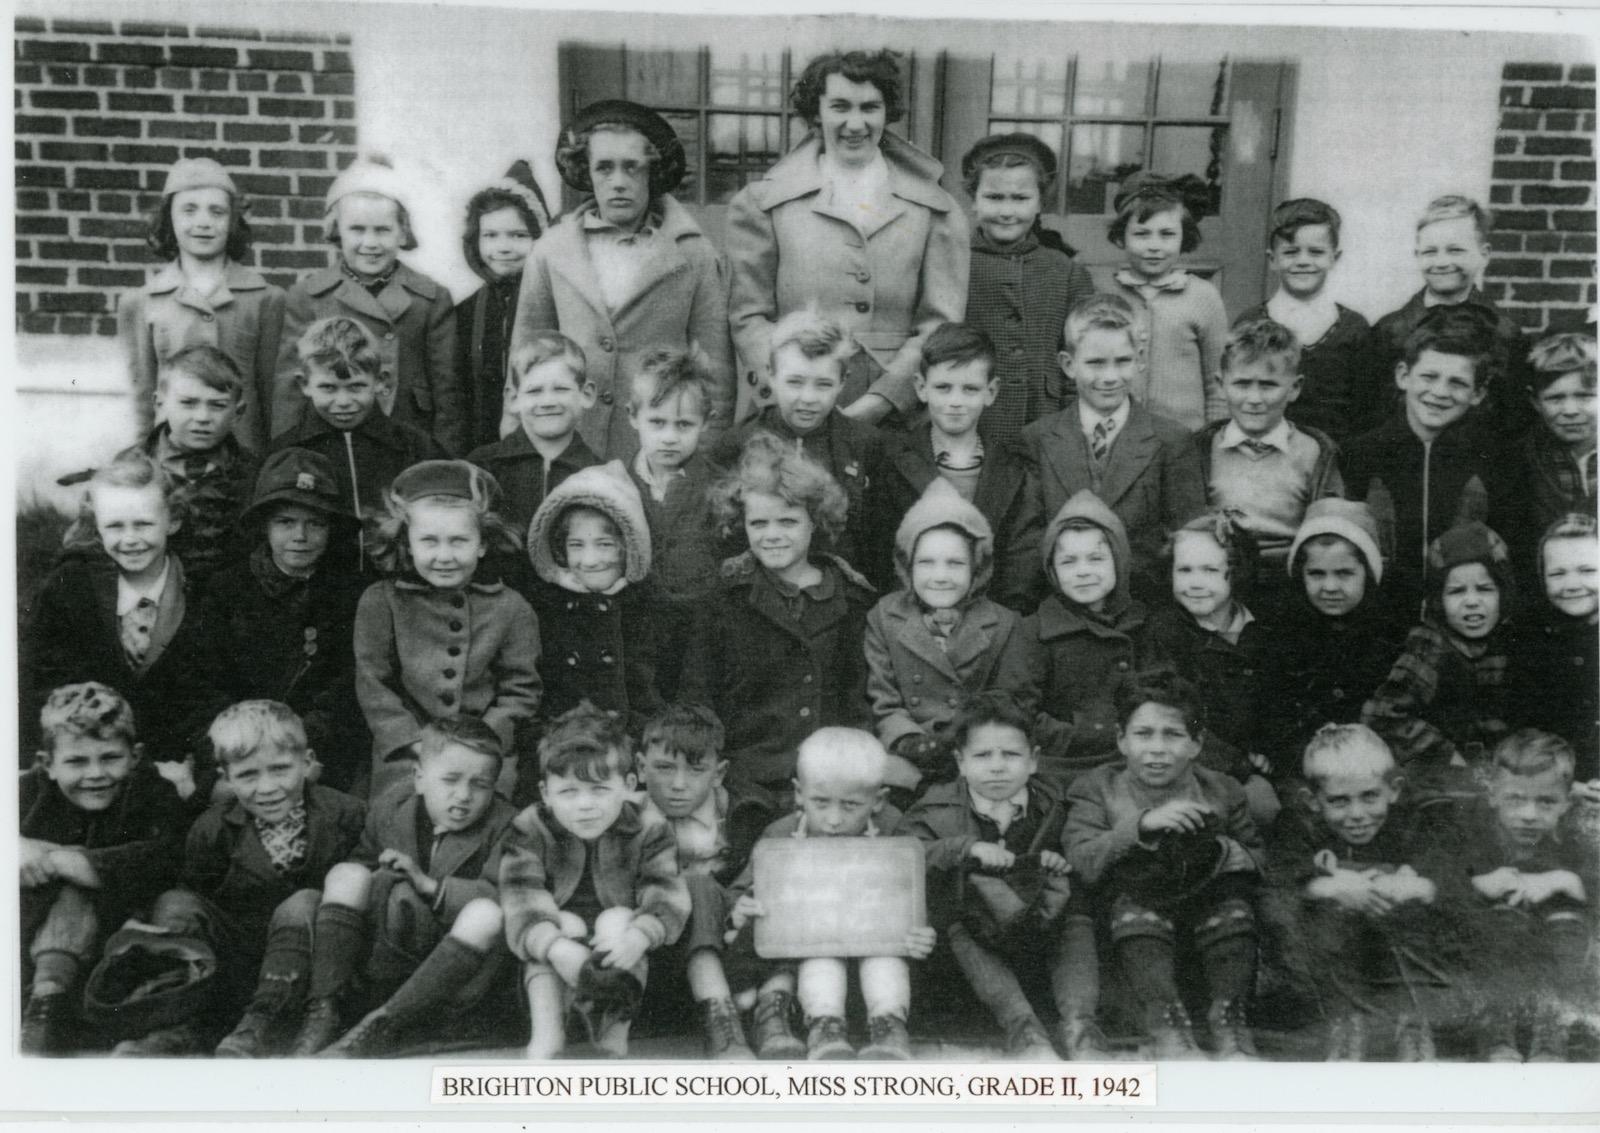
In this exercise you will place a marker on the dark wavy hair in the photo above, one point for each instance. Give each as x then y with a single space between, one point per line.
572 156
880 68
162 238
481 205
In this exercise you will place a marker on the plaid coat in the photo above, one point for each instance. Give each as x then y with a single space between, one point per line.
1442 695
212 501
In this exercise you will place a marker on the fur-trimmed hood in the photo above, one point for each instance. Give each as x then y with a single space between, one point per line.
607 489
941 505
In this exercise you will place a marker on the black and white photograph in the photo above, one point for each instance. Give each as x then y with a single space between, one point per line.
748 539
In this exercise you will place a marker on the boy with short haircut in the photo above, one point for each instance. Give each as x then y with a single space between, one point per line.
1558 453
1013 921
958 383
1257 463
342 379
100 834
1452 249
1434 466
588 886
1345 863
668 405
1171 849
251 866
715 823
839 793
1142 465
1533 871
549 394
1341 390
413 914
198 395
808 360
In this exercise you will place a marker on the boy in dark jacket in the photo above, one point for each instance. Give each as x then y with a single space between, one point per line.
414 910
809 355
588 887
1557 455
958 384
251 866
281 622
1009 922
100 832
715 824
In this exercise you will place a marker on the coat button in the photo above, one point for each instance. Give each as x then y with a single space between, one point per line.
206 316
607 345
449 674
389 336
953 701
1338 694
804 712
863 307
608 397
454 651
447 699
863 276
805 680
916 678
1122 666
455 627
572 660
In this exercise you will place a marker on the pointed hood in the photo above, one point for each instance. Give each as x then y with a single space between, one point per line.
1087 508
607 489
941 505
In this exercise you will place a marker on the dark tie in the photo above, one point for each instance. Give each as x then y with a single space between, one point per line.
1257 449
1100 443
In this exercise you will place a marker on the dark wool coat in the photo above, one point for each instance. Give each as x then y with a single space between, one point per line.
773 676
1020 295
855 455
212 503
466 863
1151 478
365 459
133 845
635 866
414 323
1228 675
686 553
70 633
483 352
1007 494
1343 389
1555 684
1549 484
597 647
292 640
524 476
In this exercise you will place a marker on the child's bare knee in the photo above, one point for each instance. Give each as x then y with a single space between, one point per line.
347 883
478 923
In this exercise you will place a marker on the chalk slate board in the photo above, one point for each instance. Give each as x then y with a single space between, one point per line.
838 896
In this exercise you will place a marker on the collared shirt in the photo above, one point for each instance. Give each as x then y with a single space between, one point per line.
1088 418
185 466
1002 812
1277 437
617 255
658 486
1268 479
129 594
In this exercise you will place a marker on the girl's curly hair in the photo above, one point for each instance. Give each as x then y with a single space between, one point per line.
386 537
162 238
880 68
773 468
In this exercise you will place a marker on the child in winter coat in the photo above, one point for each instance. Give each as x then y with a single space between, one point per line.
409 314
777 652
504 218
206 295
590 546
938 639
100 835
410 921
280 623
1557 455
431 641
1025 280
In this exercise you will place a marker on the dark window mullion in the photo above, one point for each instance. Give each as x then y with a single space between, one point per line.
1067 120
704 77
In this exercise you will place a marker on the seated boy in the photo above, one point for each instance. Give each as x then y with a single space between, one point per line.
1141 465
342 379
1533 871
100 836
251 865
839 789
669 403
1557 456
1171 851
1009 928
1432 464
588 887
809 355
957 382
1259 464
411 919
715 824
198 395
1452 248
1345 866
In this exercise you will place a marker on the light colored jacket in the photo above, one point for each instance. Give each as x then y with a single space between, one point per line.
680 299
244 320
890 286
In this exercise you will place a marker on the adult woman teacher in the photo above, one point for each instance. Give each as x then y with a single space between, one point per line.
628 269
853 221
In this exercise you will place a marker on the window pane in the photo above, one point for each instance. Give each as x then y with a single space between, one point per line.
1101 157
1110 86
1192 149
1032 86
751 79
664 78
740 147
1191 90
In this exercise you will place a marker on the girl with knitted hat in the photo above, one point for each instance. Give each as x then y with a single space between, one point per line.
409 314
206 294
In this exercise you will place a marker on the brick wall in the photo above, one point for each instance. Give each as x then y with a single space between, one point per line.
1542 269
103 109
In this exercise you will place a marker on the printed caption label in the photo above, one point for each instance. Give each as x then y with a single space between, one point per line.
1078 1084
